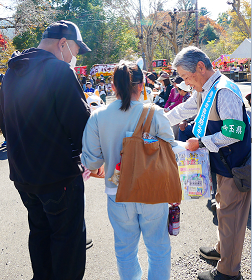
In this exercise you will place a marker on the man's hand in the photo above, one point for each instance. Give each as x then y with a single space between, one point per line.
192 144
183 125
166 110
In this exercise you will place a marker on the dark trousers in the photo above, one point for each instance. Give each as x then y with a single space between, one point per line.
186 134
103 97
57 240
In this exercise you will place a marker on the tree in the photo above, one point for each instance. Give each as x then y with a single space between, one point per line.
103 29
164 50
224 20
178 28
215 49
147 28
29 38
30 19
241 16
3 43
203 11
234 32
208 34
29 14
145 24
108 34
6 50
204 21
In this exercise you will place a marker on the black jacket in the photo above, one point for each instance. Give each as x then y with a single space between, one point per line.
164 95
45 113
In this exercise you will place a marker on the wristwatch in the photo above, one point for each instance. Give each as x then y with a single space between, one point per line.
201 145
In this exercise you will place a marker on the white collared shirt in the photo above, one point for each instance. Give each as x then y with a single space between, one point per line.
229 106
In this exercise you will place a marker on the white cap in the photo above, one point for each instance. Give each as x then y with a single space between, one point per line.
184 87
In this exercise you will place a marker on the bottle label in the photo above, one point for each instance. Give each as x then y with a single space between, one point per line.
175 229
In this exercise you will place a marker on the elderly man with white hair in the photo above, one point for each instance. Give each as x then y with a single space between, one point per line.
222 126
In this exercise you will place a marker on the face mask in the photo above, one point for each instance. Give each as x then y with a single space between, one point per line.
73 61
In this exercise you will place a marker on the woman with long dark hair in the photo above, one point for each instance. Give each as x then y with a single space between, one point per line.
102 142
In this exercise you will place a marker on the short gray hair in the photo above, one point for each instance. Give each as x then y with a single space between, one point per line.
189 57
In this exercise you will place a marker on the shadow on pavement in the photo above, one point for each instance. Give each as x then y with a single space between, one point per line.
3 153
211 262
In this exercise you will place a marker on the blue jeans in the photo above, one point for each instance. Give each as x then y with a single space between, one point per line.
57 239
128 221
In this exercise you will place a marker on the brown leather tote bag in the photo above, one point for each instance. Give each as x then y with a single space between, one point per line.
149 172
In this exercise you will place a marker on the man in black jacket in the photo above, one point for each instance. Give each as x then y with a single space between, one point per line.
45 113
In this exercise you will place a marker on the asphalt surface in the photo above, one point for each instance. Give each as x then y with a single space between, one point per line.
197 228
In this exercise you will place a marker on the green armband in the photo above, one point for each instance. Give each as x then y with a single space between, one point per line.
233 129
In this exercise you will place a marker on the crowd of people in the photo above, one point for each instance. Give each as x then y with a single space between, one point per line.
89 86
51 134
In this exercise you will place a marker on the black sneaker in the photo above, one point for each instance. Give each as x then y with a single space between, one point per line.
216 275
209 253
89 243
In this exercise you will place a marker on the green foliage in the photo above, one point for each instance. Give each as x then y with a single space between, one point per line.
109 36
203 11
108 29
224 20
164 51
215 49
234 32
117 37
28 39
208 34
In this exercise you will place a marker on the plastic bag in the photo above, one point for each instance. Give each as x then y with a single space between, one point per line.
194 172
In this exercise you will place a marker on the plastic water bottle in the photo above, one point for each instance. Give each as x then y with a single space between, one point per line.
174 219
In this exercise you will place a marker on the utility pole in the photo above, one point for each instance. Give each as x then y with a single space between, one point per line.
197 24
195 2
143 54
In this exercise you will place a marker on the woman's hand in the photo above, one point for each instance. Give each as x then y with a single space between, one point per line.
166 110
98 173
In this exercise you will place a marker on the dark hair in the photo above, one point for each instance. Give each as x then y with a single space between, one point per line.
155 74
166 82
127 76
151 76
178 80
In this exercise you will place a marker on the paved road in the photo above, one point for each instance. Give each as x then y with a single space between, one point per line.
198 228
